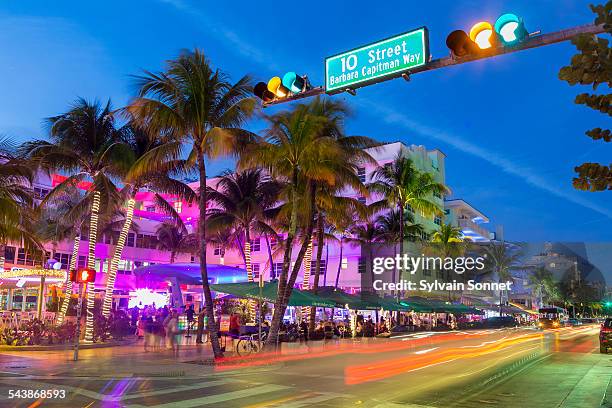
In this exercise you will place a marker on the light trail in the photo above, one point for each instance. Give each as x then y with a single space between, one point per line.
388 368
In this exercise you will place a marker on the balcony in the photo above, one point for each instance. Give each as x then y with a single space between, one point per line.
473 230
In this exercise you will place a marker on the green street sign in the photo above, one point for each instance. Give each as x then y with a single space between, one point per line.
377 62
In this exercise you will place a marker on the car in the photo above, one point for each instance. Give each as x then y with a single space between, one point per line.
499 322
588 320
573 322
605 336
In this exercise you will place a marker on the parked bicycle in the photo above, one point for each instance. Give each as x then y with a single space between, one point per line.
250 344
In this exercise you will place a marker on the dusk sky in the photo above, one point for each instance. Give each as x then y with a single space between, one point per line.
508 125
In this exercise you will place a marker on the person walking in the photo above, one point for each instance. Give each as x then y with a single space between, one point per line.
172 332
202 324
190 313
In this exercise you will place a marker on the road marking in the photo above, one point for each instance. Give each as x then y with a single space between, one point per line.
314 400
217 398
174 389
426 351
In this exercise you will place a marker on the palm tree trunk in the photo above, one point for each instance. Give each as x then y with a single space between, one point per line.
279 310
172 256
315 281
73 266
210 313
247 254
2 249
339 262
306 277
112 273
270 258
91 263
401 238
286 282
249 267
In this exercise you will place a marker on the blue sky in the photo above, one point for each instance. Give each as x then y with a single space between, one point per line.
508 126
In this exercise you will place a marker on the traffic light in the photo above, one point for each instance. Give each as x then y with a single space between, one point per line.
510 28
83 275
278 88
484 38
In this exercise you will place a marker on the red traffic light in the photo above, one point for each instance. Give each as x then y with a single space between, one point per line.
83 275
261 91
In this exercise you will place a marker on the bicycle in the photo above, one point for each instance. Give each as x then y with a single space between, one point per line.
250 344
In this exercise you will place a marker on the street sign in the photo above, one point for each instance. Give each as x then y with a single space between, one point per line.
377 62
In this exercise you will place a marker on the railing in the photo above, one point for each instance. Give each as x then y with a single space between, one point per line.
465 223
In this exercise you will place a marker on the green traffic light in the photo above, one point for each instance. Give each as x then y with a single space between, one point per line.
510 28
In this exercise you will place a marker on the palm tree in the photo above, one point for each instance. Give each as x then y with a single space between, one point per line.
85 144
197 105
402 186
537 281
150 165
499 260
448 242
16 199
298 152
244 202
367 235
174 239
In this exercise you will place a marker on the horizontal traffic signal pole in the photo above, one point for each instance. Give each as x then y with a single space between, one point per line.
533 41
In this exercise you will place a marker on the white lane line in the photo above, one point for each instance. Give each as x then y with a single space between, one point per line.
426 351
217 398
308 402
174 389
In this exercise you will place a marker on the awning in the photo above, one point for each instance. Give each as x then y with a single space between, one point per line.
269 293
424 305
345 300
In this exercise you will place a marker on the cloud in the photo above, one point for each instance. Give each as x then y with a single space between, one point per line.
240 46
525 173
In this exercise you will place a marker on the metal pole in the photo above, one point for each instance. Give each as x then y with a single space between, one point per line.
532 42
41 298
78 323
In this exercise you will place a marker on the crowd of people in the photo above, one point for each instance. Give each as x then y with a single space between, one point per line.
159 327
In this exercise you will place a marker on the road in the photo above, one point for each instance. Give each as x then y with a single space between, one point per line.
488 368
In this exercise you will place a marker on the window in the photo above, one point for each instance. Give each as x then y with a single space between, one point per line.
362 200
9 254
277 268
426 272
255 245
255 269
361 266
218 250
64 259
424 235
322 266
440 273
178 206
434 164
344 264
150 208
24 258
361 173
131 238
82 261
438 220
153 242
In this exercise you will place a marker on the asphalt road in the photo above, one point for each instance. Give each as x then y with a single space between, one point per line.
492 368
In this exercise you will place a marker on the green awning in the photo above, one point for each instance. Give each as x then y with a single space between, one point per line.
269 292
438 306
345 300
